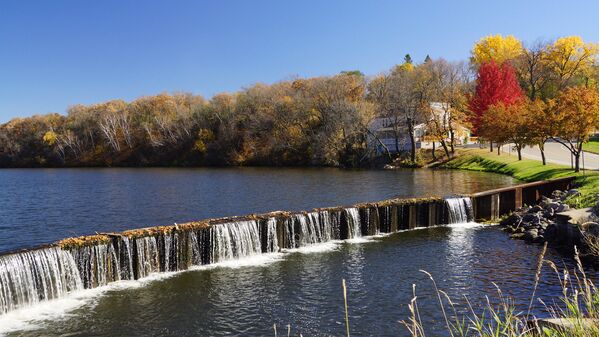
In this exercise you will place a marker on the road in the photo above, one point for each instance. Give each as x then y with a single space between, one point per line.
558 154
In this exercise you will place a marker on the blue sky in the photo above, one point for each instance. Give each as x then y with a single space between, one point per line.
58 53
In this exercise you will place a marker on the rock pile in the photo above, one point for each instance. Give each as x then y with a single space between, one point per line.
538 223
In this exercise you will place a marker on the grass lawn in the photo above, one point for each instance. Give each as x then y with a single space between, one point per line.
592 145
527 170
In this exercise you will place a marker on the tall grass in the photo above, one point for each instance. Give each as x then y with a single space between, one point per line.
578 314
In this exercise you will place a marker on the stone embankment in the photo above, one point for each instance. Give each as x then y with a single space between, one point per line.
553 221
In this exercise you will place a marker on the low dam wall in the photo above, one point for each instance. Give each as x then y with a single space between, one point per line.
31 276
489 205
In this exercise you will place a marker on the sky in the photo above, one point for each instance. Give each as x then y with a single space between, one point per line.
54 54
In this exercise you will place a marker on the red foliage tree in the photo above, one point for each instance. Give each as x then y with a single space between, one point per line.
494 84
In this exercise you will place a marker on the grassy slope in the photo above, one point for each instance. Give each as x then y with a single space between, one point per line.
527 170
592 145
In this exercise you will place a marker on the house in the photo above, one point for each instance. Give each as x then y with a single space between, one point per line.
383 131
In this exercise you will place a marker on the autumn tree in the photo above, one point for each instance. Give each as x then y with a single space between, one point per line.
571 60
495 84
448 86
576 118
495 48
541 123
534 73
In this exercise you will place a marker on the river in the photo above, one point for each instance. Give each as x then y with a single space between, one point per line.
298 287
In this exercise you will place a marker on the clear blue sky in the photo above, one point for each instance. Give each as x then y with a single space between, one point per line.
57 53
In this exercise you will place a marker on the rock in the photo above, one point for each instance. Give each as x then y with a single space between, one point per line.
535 209
557 194
548 213
518 236
550 232
512 220
531 235
591 228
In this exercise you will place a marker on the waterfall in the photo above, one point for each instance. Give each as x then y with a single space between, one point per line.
30 277
272 240
459 209
353 223
234 240
148 260
98 264
43 274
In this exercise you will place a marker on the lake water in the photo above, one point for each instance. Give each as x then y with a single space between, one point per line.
40 206
299 287
303 289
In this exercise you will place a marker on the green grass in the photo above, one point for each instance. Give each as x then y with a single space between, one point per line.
592 145
528 170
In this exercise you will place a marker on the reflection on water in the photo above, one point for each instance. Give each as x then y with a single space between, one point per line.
304 289
45 205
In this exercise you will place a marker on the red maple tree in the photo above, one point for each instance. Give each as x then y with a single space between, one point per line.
494 84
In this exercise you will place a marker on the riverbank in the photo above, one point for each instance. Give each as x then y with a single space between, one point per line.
587 183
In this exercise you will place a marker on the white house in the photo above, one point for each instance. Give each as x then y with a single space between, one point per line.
384 129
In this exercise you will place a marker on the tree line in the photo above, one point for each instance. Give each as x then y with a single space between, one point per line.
323 121
527 95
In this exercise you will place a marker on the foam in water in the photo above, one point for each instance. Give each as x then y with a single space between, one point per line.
34 276
459 209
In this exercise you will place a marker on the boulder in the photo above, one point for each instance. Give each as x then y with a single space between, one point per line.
531 235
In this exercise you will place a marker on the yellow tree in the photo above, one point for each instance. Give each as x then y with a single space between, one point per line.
570 58
576 117
496 48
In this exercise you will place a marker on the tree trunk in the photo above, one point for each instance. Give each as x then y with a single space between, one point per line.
519 150
542 149
412 141
498 149
577 161
447 153
490 146
434 156
452 140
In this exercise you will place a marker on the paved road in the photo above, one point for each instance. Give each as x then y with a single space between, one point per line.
559 154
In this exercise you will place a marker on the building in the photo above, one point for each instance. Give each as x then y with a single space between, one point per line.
384 130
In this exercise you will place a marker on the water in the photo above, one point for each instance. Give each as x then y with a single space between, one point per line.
460 209
246 297
42 292
45 205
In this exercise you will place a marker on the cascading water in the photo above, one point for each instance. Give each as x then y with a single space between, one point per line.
234 240
148 260
459 209
30 277
272 240
353 223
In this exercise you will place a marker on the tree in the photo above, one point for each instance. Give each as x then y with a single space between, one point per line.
494 84
448 86
510 124
533 70
410 88
577 116
541 120
495 48
571 60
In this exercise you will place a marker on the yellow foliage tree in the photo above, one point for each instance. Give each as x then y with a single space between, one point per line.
50 137
569 57
496 48
576 118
